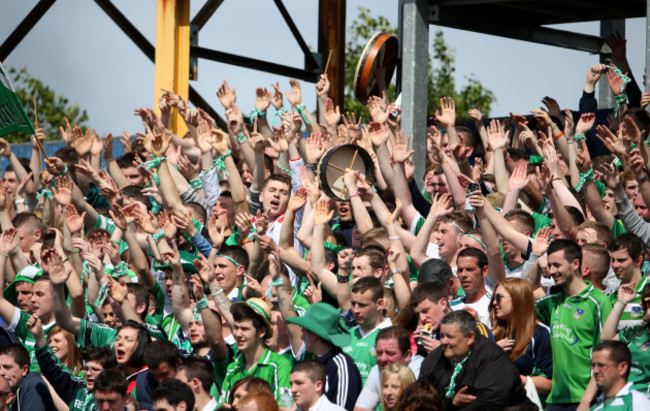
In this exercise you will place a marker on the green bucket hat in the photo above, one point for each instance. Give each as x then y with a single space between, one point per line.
27 274
259 307
325 321
187 260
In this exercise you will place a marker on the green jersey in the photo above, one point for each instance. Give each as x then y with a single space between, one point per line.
19 326
638 341
576 323
175 334
362 348
626 399
92 333
272 368
633 313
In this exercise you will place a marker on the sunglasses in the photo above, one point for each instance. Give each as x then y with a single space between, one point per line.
498 297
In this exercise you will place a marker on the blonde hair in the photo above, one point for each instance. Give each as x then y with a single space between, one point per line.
404 375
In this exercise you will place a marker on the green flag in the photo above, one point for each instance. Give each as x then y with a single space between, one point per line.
12 114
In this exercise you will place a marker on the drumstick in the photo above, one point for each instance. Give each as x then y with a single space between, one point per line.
38 141
343 171
328 61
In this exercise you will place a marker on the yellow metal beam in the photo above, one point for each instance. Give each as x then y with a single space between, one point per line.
173 55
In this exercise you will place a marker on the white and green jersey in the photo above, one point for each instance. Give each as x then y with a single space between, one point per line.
626 399
19 326
175 333
362 348
633 313
575 326
638 342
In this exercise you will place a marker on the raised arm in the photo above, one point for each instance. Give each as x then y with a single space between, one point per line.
626 293
322 215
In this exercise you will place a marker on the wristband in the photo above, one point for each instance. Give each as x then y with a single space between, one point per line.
394 237
620 99
642 179
196 183
342 279
202 303
311 166
153 163
355 194
4 255
396 272
19 201
300 109
558 135
241 138
65 260
284 170
45 193
255 113
121 269
218 162
75 251
159 235
584 177
579 137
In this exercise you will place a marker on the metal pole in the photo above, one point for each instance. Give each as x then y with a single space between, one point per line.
415 57
607 27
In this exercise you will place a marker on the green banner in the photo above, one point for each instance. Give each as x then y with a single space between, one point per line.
12 114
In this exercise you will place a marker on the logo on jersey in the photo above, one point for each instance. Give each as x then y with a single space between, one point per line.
636 312
578 314
373 350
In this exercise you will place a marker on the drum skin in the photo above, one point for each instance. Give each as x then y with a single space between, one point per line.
380 51
333 164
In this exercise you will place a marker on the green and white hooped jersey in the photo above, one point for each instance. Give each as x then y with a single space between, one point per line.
625 400
633 313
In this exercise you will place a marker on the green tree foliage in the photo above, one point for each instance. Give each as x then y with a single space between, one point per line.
51 107
442 82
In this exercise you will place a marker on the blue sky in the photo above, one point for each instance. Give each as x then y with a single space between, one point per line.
80 52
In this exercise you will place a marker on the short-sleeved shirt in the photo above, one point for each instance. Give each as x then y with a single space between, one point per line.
617 228
272 368
575 326
96 334
638 341
482 307
18 325
362 348
626 399
633 313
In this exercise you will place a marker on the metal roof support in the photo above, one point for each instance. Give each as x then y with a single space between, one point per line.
607 27
24 27
414 71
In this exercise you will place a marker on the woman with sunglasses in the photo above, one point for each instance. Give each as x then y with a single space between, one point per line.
517 331
636 337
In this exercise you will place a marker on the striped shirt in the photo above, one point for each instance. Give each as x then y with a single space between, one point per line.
625 400
343 384
633 313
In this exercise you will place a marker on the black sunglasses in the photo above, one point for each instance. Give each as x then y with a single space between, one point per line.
498 297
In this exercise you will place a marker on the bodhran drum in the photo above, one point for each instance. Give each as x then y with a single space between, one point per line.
333 164
380 52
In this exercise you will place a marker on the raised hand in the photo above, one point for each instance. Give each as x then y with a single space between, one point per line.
73 220
476 113
216 232
243 223
377 110
496 136
235 120
323 86
585 123
441 205
9 241
117 289
314 293
35 326
631 131
542 117
226 95
627 293
66 133
276 99
401 150
298 200
266 243
332 113
594 73
82 142
446 116
314 148
205 270
553 107
616 83
614 143
61 191
262 99
353 126
204 137
518 120
54 166
645 100
322 213
519 177
261 222
540 243
294 98
5 148
52 263
220 142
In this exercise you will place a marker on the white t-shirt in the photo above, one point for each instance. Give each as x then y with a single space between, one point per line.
371 393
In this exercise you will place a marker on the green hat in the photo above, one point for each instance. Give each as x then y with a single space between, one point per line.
187 260
259 307
325 321
27 274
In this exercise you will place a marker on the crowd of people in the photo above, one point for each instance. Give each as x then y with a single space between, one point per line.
211 271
